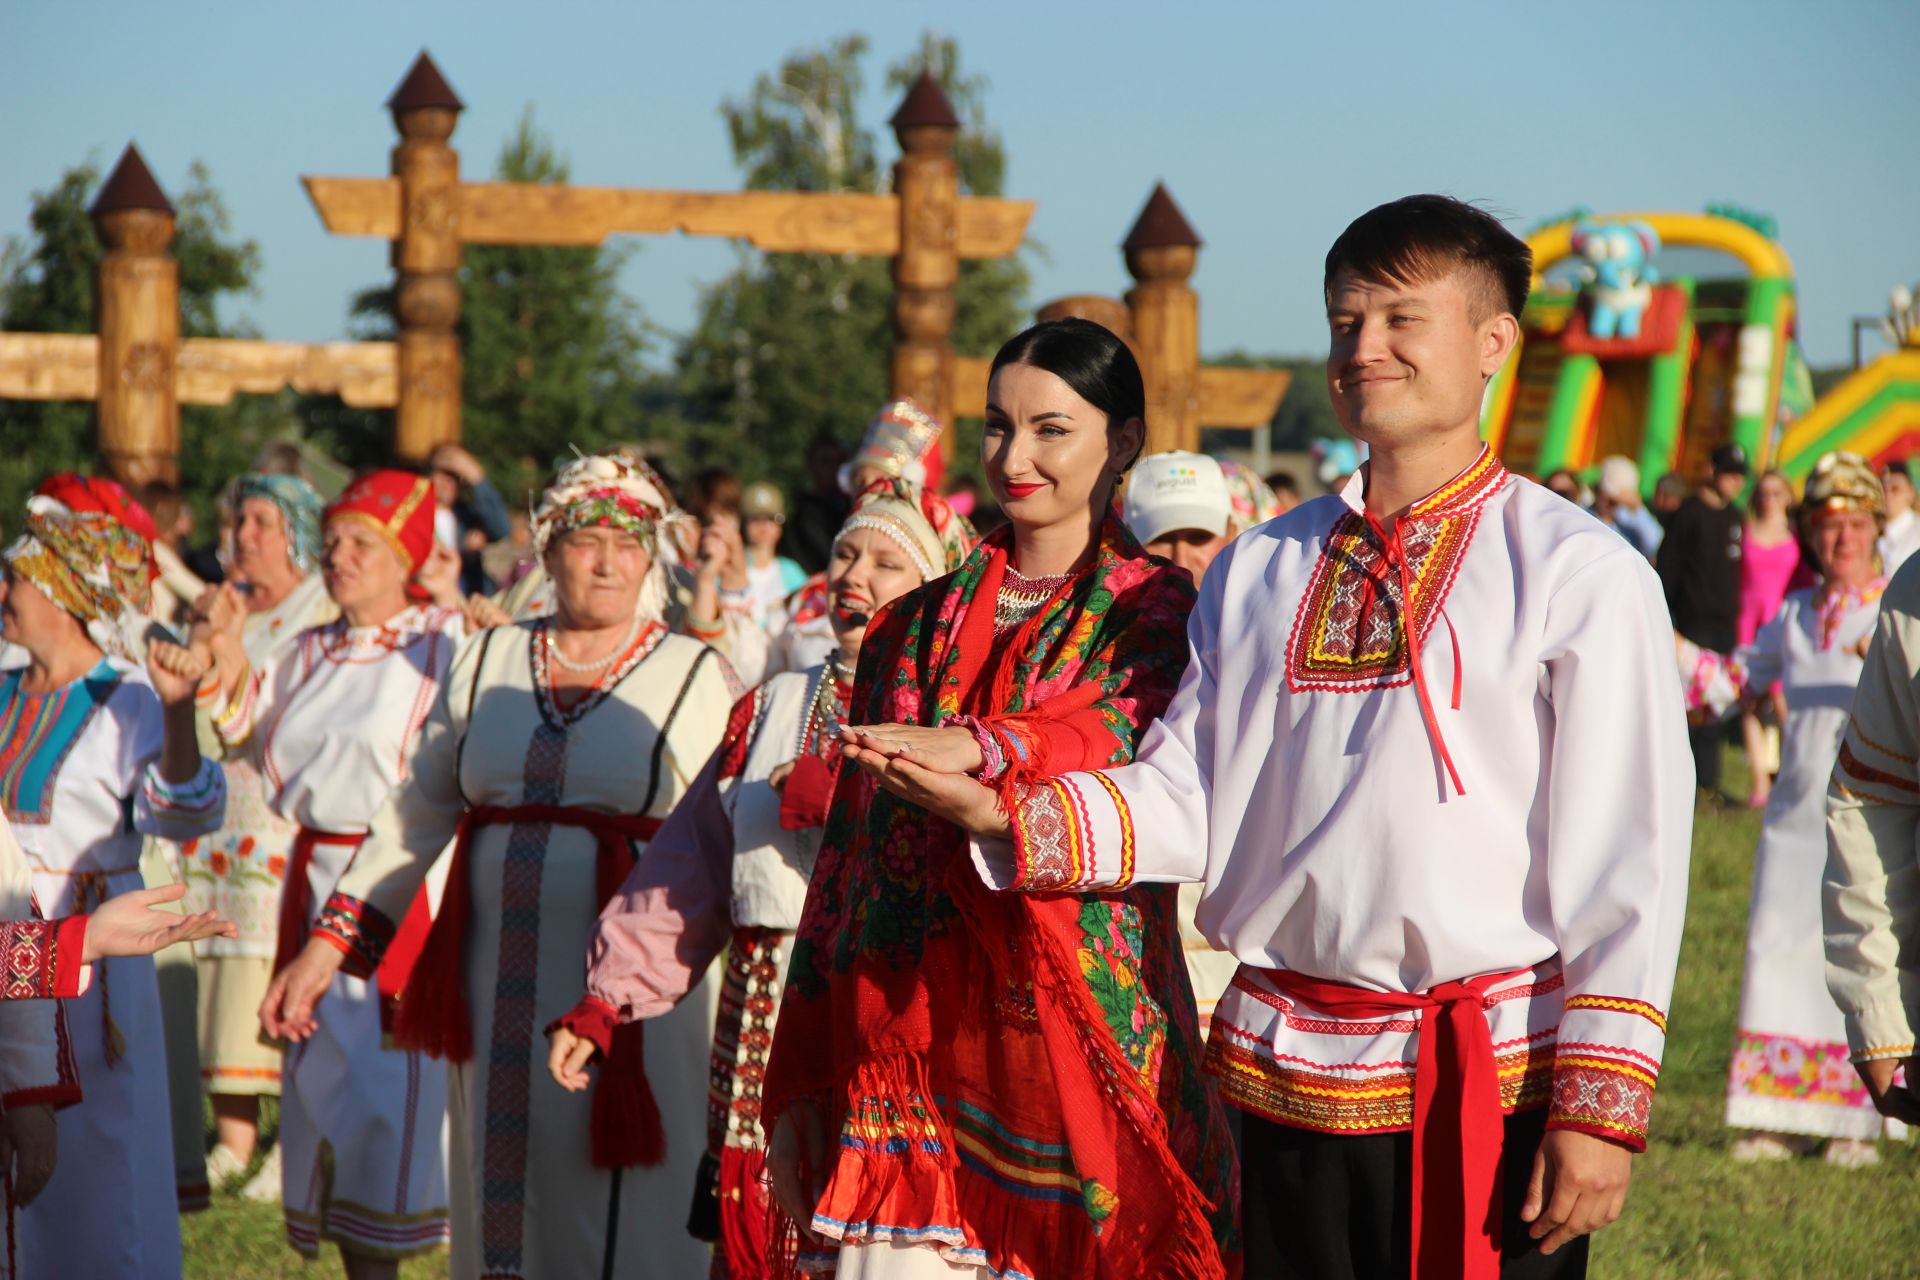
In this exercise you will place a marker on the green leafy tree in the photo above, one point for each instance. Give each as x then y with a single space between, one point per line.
790 346
550 349
47 286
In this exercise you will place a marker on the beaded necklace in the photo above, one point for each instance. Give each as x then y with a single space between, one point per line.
1021 597
648 640
826 707
566 664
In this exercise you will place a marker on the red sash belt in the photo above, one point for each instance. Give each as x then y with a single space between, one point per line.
296 904
1457 1123
433 1017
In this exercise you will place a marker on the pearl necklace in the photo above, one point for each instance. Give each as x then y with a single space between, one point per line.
560 660
823 707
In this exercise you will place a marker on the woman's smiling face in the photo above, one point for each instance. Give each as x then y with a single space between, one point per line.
1050 455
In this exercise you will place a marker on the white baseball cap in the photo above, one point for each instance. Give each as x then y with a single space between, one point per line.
1170 491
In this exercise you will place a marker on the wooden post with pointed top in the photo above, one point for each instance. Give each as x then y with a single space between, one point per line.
426 256
137 309
1161 252
927 181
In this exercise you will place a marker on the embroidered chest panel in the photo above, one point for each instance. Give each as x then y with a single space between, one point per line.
36 733
1350 631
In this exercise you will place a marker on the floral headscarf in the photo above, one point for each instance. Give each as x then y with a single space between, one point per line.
92 566
612 491
299 512
1254 502
602 491
935 536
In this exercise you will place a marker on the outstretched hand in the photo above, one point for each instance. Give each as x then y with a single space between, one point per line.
967 804
130 925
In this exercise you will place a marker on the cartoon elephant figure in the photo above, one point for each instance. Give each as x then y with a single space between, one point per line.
1619 280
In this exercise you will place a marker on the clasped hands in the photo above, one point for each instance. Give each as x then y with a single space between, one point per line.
930 768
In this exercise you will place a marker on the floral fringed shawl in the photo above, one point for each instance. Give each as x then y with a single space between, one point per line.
1013 1078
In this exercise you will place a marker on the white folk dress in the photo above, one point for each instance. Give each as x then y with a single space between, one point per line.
237 871
330 726
1296 778
1791 1071
39 967
527 1201
79 777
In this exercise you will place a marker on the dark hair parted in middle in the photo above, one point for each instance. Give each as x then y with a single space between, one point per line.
1089 358
1418 238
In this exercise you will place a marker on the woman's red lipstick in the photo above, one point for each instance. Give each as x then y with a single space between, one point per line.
1023 490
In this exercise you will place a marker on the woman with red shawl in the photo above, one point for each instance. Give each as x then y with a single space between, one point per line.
970 1083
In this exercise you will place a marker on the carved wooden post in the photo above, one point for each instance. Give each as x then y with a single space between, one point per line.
1161 252
426 254
137 311
927 182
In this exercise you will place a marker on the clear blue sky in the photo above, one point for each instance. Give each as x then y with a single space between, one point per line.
1273 124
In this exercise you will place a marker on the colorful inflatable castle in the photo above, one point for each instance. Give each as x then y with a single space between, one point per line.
1621 359
1874 411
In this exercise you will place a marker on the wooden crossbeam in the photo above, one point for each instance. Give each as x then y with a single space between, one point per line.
774 221
365 375
1230 399
1241 399
49 366
66 366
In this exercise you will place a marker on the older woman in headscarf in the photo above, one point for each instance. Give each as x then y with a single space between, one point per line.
696 562
273 595
729 870
99 752
1791 1081
553 752
331 724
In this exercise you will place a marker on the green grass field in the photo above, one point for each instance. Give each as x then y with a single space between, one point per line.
1692 1212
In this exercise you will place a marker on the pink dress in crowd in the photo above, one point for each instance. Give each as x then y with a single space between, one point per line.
1766 575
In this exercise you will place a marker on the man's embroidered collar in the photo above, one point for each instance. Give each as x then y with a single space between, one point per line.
1347 635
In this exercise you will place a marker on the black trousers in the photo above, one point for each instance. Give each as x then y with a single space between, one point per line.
1707 742
1318 1206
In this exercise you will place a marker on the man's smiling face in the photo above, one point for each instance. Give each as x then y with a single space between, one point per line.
1407 359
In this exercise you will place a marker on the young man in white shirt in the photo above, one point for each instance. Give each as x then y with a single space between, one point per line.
1453 871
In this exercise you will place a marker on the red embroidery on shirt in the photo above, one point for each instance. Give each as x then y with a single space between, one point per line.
1348 634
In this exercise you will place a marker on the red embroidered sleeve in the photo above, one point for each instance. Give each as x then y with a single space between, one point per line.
357 928
1070 833
1606 1089
42 959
